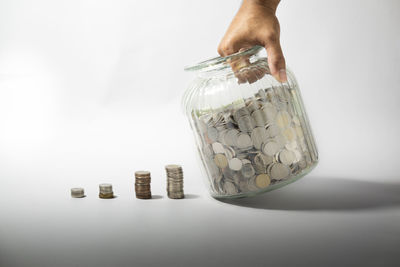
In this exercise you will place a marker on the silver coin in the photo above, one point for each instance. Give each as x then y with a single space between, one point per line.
280 140
231 137
287 157
270 112
270 148
241 112
279 171
259 118
248 170
212 133
273 130
261 162
251 184
258 136
244 141
230 188
221 136
230 152
235 164
298 156
246 124
291 145
218 148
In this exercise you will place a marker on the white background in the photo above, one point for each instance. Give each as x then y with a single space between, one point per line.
90 92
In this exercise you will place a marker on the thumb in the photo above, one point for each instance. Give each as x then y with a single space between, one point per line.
276 60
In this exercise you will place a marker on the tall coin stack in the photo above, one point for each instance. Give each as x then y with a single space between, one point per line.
142 184
174 181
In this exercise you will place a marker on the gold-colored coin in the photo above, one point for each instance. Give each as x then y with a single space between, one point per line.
283 119
262 180
290 134
221 161
106 195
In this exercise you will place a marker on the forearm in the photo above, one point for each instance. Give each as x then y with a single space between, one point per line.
271 5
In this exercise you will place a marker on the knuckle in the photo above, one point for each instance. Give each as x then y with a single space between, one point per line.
225 49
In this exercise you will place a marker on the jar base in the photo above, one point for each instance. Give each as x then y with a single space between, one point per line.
269 188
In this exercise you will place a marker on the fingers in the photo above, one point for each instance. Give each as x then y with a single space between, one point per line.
276 60
225 49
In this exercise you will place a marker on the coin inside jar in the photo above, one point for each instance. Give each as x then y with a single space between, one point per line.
251 143
283 119
258 136
235 164
269 111
273 130
221 161
287 157
244 141
248 170
271 147
279 171
218 148
262 180
290 134
212 133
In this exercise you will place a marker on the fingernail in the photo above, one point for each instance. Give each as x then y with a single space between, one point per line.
282 75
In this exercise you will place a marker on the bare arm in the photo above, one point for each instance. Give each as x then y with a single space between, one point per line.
256 24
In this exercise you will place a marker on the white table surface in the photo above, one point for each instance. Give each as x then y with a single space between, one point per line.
316 221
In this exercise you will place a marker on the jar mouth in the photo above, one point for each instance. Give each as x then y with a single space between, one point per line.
213 62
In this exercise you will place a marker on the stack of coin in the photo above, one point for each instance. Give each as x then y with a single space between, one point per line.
77 192
142 184
106 191
174 181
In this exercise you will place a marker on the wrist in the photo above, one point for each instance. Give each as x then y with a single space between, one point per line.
267 5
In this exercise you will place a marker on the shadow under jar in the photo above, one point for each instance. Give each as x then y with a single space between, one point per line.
251 131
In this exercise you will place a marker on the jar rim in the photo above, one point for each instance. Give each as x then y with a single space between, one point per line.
218 60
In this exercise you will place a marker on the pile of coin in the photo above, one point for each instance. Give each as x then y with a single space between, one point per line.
106 191
142 184
77 192
174 181
254 143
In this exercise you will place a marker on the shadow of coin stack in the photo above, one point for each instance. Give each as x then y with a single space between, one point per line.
174 181
142 184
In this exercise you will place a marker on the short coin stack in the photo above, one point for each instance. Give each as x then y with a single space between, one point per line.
174 181
142 184
106 191
77 192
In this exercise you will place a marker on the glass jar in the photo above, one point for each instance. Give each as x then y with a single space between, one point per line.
251 131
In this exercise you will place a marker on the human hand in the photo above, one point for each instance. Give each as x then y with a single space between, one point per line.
256 24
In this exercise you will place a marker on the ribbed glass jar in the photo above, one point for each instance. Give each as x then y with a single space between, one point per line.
251 131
